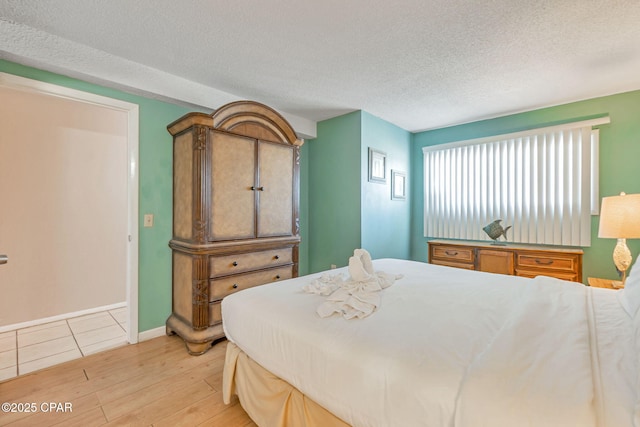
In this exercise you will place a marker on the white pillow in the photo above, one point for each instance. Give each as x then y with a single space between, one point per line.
629 297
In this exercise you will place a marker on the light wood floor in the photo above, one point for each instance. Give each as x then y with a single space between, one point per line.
155 382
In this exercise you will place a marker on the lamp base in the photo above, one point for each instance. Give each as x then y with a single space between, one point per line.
622 258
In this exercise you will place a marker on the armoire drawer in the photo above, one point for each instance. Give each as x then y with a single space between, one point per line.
221 287
240 263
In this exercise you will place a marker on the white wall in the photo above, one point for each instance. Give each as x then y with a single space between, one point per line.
63 206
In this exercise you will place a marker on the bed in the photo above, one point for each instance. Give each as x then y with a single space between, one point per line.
445 347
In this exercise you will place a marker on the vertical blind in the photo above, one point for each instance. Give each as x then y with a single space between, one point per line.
540 182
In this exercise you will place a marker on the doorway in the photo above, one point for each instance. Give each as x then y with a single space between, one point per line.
68 204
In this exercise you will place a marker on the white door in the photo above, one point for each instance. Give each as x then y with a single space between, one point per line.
66 226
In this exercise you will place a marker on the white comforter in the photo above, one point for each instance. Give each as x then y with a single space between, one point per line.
446 347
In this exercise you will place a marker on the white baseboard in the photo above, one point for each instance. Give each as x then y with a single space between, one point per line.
152 333
64 316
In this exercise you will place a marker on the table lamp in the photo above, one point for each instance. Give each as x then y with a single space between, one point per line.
620 219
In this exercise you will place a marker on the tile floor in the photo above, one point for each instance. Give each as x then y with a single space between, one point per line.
37 347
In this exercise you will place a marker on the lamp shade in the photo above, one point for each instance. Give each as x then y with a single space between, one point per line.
620 217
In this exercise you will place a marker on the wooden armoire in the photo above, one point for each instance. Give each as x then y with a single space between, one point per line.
235 212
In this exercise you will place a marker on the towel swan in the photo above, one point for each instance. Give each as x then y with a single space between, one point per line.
357 296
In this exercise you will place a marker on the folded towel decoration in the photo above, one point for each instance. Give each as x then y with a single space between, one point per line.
325 285
358 296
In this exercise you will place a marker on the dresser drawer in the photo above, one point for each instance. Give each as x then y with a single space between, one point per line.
547 262
453 264
239 263
456 254
221 287
572 277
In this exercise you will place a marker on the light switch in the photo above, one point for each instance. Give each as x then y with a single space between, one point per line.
148 220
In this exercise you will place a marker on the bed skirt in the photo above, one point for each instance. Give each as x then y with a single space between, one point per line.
269 400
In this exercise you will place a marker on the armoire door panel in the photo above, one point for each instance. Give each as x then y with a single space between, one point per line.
183 186
233 165
275 199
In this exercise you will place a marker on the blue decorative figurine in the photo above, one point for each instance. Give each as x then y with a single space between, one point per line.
495 230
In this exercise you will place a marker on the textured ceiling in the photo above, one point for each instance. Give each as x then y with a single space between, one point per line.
420 64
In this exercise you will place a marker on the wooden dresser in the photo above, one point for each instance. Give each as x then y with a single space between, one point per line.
235 212
518 260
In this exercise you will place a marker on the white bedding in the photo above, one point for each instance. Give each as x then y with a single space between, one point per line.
448 347
615 337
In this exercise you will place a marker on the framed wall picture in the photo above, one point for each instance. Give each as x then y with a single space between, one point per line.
398 185
377 166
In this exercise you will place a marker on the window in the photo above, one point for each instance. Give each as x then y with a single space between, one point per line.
541 182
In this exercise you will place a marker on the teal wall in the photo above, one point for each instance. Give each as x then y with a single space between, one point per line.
303 260
345 210
619 154
155 192
334 186
385 223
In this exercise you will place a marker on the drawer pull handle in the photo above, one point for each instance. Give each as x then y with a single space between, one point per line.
547 262
451 253
277 257
235 263
235 286
277 277
257 188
